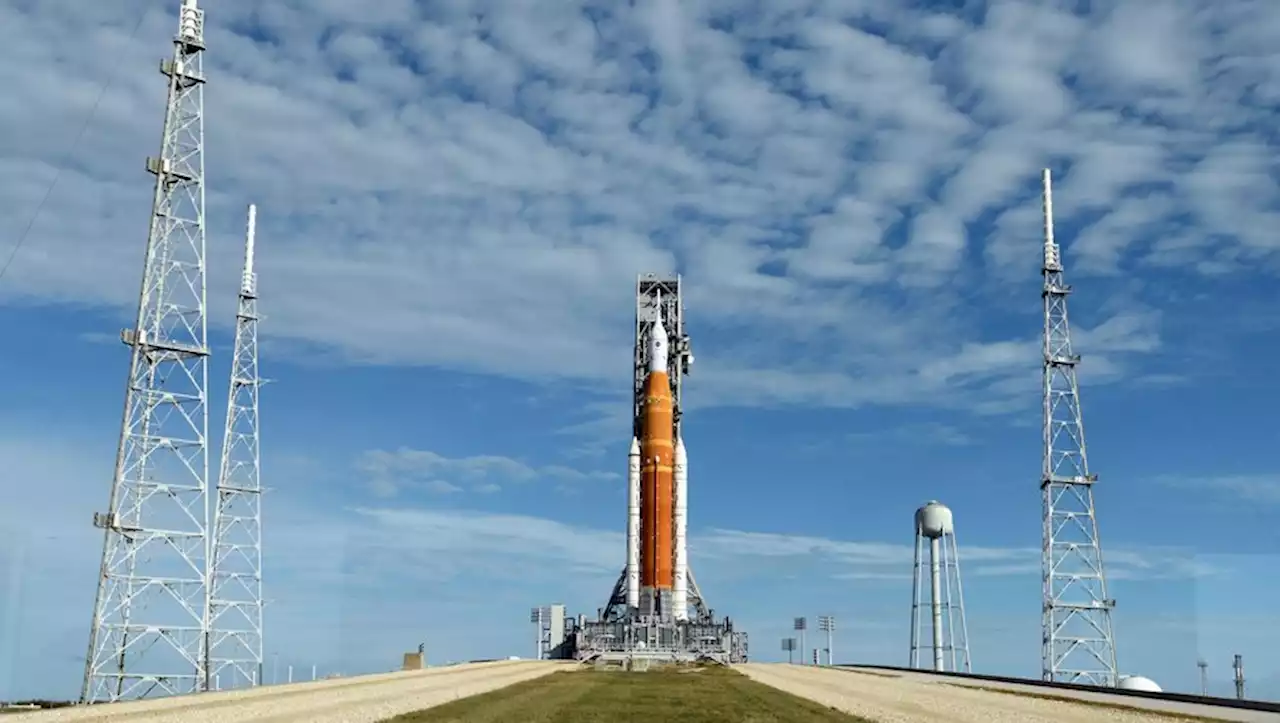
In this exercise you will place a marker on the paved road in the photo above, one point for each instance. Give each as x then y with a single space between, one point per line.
364 699
887 697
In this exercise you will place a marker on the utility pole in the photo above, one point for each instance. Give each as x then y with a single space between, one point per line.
1077 641
827 623
150 626
1237 665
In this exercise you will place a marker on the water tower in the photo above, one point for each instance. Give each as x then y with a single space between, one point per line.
935 526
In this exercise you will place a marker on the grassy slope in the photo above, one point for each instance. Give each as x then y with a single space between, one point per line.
708 695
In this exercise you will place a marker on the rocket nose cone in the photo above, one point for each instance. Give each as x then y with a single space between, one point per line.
635 446
659 337
680 452
658 347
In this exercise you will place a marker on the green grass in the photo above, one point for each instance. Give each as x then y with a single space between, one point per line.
679 695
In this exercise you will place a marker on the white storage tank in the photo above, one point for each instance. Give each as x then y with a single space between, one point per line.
1137 682
935 520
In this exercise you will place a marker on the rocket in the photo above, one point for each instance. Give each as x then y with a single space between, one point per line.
657 486
680 590
633 525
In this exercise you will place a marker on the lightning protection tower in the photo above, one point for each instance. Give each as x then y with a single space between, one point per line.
235 577
950 644
150 614
1077 641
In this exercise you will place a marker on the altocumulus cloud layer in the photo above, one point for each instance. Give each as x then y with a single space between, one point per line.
475 184
412 469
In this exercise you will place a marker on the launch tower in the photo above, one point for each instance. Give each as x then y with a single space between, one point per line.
1077 642
656 611
150 626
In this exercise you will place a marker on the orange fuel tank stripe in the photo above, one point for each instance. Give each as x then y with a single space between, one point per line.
657 457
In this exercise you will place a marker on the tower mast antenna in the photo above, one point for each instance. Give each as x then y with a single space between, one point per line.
1077 641
235 578
150 614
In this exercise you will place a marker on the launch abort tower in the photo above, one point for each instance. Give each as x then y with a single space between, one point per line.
656 611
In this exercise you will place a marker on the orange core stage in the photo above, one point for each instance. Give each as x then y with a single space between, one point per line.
657 491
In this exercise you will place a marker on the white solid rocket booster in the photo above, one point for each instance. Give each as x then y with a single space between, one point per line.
680 588
633 525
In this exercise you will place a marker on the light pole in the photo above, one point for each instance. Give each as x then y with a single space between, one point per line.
827 623
1237 665
801 625
1203 665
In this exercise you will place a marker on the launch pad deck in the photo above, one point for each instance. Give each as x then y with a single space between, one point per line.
626 642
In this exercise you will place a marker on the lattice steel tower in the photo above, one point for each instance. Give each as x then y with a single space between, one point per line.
235 577
1077 644
150 616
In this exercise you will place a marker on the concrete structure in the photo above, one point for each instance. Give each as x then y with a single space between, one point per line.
414 661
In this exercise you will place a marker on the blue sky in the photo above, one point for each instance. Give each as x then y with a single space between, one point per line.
453 205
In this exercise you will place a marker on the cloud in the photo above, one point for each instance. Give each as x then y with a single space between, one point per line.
926 433
857 185
391 472
440 545
1258 488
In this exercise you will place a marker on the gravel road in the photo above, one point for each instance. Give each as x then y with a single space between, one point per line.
1232 715
365 699
896 700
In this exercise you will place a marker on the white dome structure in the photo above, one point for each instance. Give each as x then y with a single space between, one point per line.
1137 682
935 520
